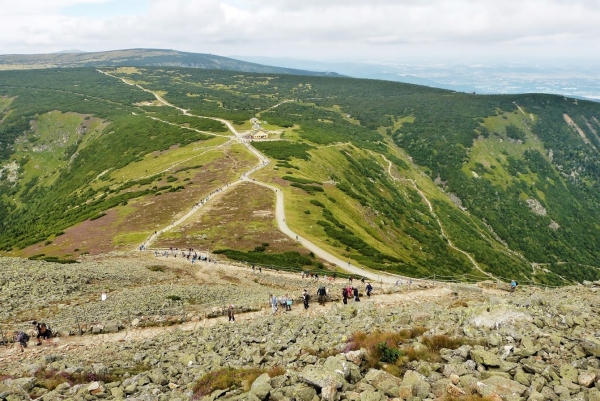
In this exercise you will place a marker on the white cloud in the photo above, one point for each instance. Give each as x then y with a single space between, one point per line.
318 29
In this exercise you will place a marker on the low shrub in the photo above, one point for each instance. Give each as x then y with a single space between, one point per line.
276 370
50 379
222 379
391 351
388 354
439 342
156 268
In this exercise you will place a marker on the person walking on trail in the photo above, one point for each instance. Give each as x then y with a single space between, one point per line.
43 331
305 298
22 338
513 285
322 293
273 300
369 289
355 292
288 303
344 296
230 313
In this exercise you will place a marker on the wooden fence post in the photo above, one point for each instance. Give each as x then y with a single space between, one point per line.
78 325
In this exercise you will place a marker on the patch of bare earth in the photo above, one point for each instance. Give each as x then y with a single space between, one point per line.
242 218
92 236
146 214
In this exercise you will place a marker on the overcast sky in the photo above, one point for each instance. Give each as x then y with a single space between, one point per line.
560 31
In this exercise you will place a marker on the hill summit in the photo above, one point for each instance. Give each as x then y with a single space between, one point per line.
141 58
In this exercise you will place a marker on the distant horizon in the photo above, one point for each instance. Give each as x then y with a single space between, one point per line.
481 31
485 78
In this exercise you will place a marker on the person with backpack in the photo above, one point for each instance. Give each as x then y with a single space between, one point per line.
22 338
349 292
513 285
355 292
322 293
43 331
344 296
369 289
305 298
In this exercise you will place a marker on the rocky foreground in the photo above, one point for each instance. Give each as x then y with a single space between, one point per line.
456 342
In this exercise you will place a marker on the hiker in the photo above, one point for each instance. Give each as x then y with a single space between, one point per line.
305 298
43 331
260 269
253 268
22 338
513 285
362 280
288 303
322 293
273 300
283 301
344 296
230 313
355 292
369 288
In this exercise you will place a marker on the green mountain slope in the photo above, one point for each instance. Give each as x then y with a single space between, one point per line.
141 58
396 177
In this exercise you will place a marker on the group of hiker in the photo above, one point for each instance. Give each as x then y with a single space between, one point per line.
285 301
189 254
43 333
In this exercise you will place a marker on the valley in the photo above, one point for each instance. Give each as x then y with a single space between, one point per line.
109 177
403 187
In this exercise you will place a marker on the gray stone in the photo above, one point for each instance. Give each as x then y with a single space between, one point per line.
317 376
438 388
594 395
568 371
382 381
505 388
372 396
591 346
261 387
157 376
586 379
485 358
302 393
117 392
535 396
347 370
26 383
112 327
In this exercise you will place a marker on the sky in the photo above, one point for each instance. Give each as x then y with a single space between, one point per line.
474 31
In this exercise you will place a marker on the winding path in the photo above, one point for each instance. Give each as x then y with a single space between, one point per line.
347 266
450 244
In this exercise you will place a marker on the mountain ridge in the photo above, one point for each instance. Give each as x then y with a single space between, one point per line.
139 57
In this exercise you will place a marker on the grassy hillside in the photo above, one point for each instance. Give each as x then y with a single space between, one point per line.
391 176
